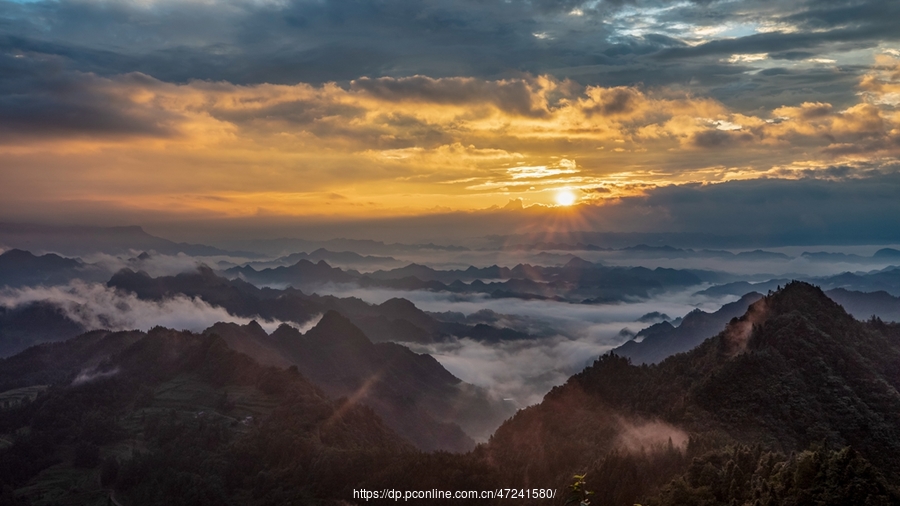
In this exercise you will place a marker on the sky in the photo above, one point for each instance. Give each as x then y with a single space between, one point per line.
204 118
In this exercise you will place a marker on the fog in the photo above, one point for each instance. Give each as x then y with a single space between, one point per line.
742 267
97 306
524 370
747 270
158 264
566 337
637 436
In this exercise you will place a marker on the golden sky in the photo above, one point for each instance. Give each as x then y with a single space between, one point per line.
415 145
82 143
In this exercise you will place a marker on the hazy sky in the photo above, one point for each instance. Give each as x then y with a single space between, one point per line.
777 116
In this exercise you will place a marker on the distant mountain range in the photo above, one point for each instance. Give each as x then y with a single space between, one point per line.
883 255
34 323
662 340
887 280
284 246
83 240
577 281
22 268
393 320
347 259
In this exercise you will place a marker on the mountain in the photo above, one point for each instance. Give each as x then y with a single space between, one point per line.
555 246
413 393
740 288
576 281
83 240
393 320
282 246
823 256
759 254
663 339
347 259
880 256
863 305
889 254
178 418
794 403
794 375
299 275
34 323
22 268
887 280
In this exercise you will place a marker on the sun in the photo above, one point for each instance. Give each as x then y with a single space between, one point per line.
565 198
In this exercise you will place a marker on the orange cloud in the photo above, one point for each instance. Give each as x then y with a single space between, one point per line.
403 146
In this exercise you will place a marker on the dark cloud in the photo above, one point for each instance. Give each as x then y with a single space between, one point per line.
719 138
516 97
329 40
39 97
831 205
871 14
616 101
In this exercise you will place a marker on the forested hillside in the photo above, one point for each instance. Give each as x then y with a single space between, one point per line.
795 373
793 403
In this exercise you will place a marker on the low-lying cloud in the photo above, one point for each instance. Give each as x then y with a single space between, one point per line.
96 306
157 264
638 435
524 370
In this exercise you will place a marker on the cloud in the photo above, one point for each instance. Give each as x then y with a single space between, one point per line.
266 110
96 306
517 97
36 98
639 436
414 132
570 336
88 376
290 41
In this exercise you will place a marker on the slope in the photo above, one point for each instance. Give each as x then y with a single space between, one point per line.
178 418
413 393
663 340
795 372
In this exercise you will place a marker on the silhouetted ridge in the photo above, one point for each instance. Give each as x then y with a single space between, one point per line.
285 331
336 330
803 297
663 339
26 260
22 268
795 373
887 254
34 323
800 299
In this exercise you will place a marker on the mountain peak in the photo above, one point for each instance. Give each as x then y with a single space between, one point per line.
577 263
800 296
397 304
335 329
17 253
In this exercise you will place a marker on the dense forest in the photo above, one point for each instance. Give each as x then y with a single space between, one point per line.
794 403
